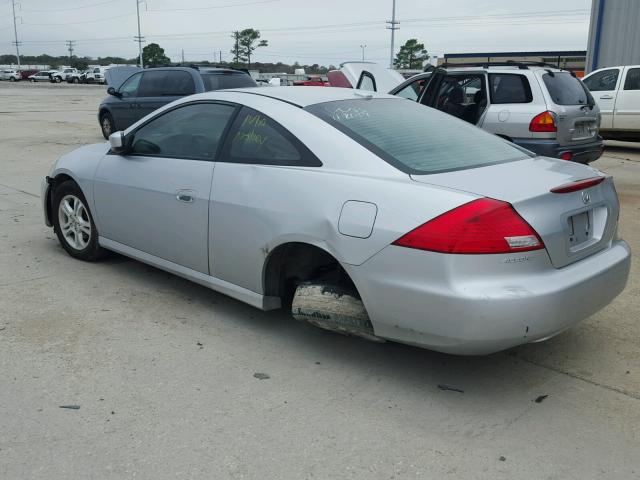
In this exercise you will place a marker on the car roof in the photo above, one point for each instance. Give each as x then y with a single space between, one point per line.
305 96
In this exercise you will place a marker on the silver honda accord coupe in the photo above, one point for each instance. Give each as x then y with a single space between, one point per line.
363 213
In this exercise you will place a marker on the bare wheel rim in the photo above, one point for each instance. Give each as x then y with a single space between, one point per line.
106 125
75 224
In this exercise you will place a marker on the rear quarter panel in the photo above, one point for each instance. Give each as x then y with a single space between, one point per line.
256 208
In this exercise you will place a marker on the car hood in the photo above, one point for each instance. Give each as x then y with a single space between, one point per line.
116 76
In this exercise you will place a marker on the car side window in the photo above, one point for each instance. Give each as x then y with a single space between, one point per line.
509 88
258 139
413 90
178 84
603 81
633 79
367 82
152 83
130 87
192 132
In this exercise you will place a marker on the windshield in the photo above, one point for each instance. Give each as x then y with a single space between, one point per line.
220 81
565 89
414 138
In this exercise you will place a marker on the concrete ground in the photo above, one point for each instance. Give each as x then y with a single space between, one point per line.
164 371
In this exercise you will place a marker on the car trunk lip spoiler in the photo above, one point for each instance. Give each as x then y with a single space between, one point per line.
578 185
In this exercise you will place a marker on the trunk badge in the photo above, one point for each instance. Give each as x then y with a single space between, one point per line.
586 198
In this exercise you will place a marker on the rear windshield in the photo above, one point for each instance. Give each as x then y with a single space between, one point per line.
565 89
219 81
414 138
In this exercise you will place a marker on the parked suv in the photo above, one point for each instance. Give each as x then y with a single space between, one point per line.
543 109
617 92
135 93
11 75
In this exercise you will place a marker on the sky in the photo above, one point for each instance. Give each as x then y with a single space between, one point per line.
308 31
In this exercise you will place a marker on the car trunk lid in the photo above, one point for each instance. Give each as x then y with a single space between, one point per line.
573 225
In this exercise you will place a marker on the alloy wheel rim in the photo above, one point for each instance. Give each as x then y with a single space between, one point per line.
75 224
106 126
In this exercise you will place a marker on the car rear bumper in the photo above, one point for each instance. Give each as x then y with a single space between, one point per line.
476 305
581 153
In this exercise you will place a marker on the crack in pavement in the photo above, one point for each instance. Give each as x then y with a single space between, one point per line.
627 393
26 280
18 190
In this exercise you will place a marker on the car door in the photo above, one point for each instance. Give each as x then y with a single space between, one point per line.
604 87
412 88
627 109
159 87
155 198
259 157
123 105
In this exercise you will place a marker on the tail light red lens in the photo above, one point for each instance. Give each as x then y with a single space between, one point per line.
481 226
566 156
543 123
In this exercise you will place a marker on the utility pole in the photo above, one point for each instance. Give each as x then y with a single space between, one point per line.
15 31
70 44
393 29
220 57
139 38
183 56
363 47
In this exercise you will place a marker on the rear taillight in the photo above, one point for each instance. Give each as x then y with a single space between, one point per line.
566 156
543 123
578 185
481 226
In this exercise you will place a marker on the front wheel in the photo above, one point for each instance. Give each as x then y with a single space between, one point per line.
73 223
76 80
11 79
33 80
107 125
58 79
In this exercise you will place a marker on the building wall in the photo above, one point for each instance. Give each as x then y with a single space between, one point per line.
614 34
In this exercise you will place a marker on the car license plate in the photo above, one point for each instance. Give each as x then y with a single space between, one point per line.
582 130
579 228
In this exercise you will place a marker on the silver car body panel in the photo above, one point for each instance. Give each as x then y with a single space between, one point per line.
463 304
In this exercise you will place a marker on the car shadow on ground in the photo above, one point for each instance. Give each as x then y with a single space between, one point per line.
404 366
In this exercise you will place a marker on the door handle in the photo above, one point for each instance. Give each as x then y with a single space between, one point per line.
606 97
186 196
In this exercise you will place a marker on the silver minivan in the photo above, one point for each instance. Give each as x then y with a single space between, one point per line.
546 110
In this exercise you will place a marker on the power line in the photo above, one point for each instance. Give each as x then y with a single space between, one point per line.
189 9
66 9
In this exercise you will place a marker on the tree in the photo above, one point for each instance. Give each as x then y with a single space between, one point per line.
411 55
248 41
235 51
153 55
80 63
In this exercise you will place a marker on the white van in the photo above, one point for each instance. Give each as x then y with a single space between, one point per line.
617 92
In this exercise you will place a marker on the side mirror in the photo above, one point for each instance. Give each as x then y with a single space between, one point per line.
118 143
112 91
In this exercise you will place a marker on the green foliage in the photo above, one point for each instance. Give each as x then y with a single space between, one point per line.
245 43
411 55
153 56
80 63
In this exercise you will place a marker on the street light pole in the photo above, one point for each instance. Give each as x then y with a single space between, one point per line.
15 32
363 47
139 37
393 29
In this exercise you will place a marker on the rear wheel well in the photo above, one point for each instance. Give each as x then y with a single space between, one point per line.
293 263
